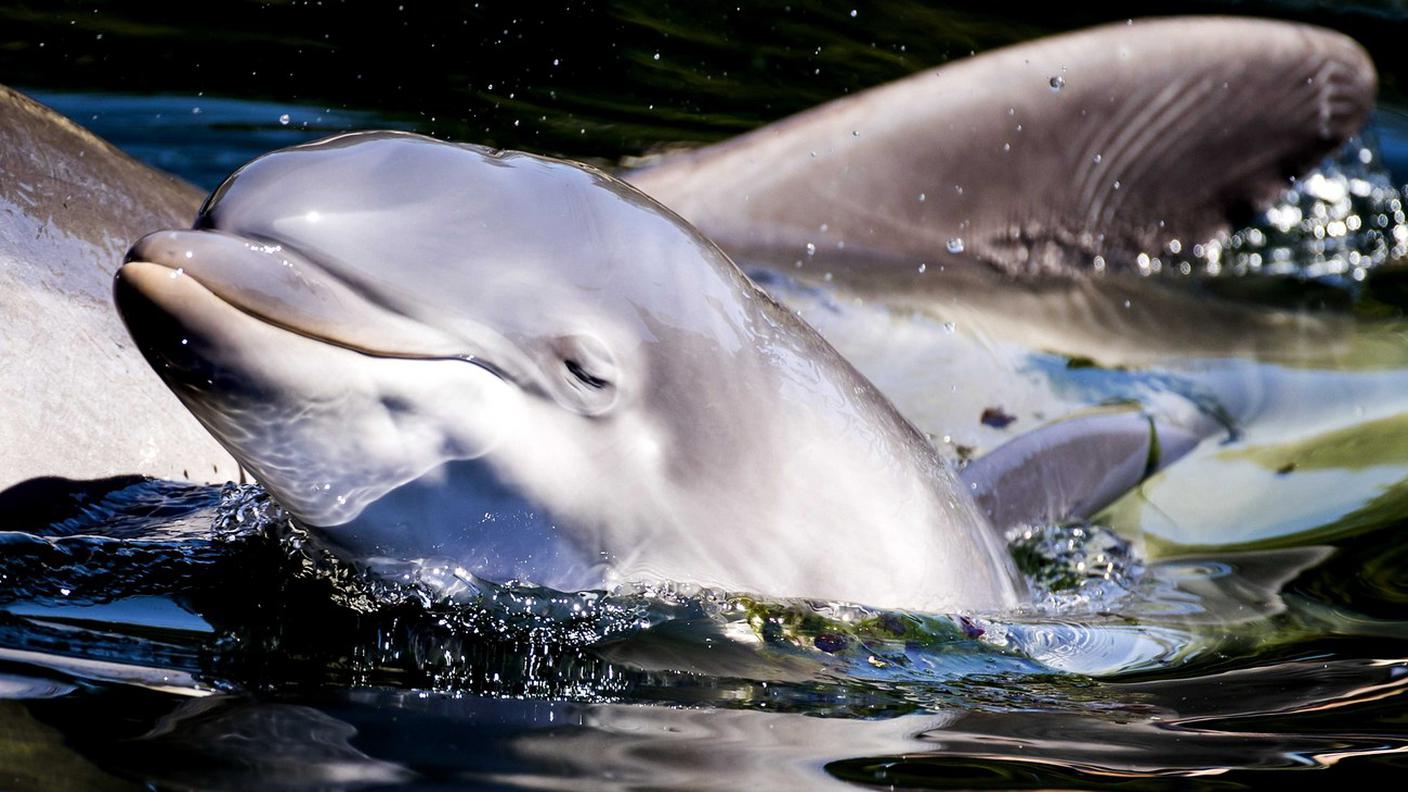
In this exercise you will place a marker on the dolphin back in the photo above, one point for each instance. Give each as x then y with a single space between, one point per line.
79 401
1129 138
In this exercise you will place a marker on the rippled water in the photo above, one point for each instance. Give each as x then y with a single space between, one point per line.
1240 620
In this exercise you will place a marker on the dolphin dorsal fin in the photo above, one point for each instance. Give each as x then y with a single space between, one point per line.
1072 468
1038 157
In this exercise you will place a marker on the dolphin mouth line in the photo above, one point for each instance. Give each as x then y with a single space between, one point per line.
486 365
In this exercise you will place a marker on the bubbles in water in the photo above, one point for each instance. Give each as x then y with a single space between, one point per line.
284 119
1075 567
1057 83
955 245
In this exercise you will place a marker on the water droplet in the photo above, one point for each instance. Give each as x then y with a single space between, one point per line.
283 119
1096 159
922 197
657 56
923 266
949 327
811 249
853 13
1057 83
955 245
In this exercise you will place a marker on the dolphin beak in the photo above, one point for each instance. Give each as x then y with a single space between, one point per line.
280 287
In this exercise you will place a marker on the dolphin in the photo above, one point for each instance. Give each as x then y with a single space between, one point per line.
1012 198
79 402
1010 191
527 368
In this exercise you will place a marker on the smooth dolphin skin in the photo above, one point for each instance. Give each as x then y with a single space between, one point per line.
1039 157
76 400
429 350
989 190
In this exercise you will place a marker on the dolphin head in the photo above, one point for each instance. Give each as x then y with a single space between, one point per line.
426 349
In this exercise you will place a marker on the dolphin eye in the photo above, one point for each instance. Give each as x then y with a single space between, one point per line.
586 377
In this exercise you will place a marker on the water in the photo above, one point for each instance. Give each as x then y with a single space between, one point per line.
188 637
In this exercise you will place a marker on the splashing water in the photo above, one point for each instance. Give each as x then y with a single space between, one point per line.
1339 222
266 604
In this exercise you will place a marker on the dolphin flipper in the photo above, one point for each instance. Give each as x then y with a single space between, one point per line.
1073 468
1038 157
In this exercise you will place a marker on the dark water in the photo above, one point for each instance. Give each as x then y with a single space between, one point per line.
168 636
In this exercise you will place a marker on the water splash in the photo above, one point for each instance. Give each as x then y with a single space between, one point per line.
1339 222
272 607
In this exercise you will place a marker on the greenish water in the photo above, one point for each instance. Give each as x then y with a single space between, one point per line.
1239 621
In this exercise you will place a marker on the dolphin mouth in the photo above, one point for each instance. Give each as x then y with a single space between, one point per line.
269 283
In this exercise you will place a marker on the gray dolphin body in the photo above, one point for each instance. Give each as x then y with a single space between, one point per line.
76 400
534 371
991 190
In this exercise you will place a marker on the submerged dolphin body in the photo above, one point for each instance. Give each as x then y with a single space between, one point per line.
429 350
530 369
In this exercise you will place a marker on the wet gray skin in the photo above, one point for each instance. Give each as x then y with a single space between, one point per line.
78 401
526 367
1005 192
